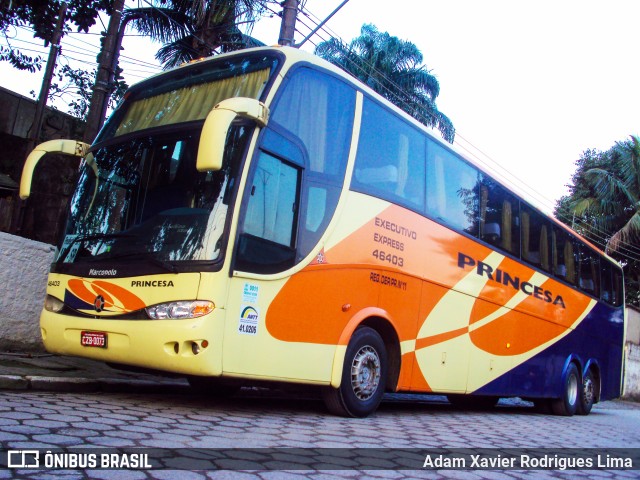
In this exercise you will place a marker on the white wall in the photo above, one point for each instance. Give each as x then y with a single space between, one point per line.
632 356
633 325
632 372
24 265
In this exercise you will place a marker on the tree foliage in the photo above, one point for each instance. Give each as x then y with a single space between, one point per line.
192 29
75 86
604 205
393 68
41 17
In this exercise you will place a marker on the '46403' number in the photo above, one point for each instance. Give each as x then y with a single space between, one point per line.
388 257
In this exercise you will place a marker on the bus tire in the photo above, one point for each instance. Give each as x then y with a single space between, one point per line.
587 393
363 376
571 386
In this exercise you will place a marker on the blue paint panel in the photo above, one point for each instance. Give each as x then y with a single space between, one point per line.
70 300
598 339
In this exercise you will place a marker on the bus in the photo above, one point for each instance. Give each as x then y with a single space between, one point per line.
261 216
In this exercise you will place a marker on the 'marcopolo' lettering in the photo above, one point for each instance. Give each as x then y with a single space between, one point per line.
504 278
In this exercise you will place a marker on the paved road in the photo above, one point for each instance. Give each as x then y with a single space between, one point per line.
255 419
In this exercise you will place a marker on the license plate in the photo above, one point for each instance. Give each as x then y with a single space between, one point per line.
93 339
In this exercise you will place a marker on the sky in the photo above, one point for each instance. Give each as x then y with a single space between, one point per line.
528 85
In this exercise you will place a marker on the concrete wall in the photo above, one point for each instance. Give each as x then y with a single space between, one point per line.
24 265
632 372
41 217
632 356
633 325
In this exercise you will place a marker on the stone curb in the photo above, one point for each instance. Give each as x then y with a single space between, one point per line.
13 382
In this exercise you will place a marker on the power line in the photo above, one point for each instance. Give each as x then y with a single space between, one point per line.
494 166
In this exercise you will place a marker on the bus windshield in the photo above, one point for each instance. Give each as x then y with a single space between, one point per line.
144 198
139 194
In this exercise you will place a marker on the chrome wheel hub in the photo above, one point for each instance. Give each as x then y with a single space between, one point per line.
572 390
588 391
365 373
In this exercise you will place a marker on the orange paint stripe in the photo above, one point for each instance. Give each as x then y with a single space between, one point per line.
441 337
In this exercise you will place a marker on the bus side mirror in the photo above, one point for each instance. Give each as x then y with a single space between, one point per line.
67 147
216 128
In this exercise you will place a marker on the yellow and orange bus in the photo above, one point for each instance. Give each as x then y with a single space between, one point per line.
262 216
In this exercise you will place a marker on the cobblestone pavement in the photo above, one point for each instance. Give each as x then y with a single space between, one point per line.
45 420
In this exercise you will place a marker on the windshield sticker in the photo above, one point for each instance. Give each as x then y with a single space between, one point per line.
250 293
248 320
68 240
71 256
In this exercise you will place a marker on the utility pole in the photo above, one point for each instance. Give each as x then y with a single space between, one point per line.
288 26
34 135
101 88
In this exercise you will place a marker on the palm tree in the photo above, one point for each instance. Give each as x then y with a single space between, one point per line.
393 68
604 205
191 29
614 203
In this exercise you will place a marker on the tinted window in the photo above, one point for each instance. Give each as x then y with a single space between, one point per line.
588 266
618 288
452 189
499 217
391 158
606 281
612 290
563 259
536 235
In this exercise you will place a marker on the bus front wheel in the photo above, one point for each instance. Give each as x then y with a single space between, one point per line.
571 391
363 376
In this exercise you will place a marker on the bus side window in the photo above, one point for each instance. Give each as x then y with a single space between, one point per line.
606 280
452 190
390 160
499 217
318 110
267 240
618 288
562 256
536 236
588 267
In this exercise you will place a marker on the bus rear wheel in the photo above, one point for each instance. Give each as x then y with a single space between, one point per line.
364 376
567 405
587 394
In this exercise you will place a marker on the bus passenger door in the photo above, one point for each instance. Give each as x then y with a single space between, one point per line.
265 248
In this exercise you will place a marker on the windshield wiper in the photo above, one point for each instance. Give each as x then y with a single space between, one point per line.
168 266
96 236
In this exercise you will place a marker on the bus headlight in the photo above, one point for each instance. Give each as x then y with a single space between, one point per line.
178 310
52 304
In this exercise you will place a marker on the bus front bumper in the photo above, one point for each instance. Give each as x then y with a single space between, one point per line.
188 346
